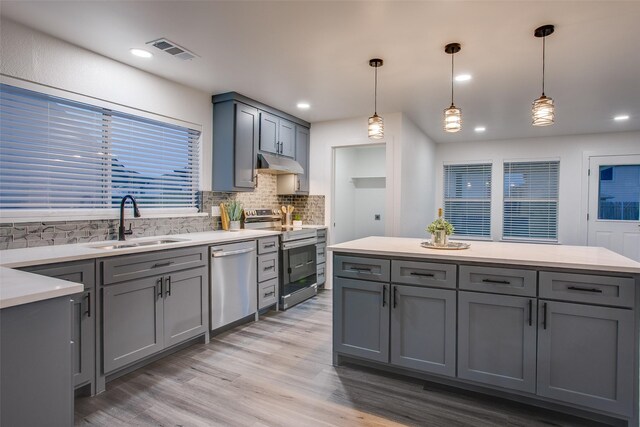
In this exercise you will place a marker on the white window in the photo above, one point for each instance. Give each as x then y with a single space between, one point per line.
57 154
531 200
467 199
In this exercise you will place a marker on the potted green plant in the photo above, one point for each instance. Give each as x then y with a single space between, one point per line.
297 220
440 229
234 210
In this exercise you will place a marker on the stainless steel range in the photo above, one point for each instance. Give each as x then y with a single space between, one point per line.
297 260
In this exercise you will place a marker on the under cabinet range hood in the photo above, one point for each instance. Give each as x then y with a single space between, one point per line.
278 165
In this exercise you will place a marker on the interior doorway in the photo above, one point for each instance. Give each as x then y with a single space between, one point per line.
614 204
359 192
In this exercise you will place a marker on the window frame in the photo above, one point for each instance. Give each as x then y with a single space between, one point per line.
444 199
522 239
63 214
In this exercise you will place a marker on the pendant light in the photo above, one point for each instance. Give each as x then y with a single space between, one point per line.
543 110
376 124
452 115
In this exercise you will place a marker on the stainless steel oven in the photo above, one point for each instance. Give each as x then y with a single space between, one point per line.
297 278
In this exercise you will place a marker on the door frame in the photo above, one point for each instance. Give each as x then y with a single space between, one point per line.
583 226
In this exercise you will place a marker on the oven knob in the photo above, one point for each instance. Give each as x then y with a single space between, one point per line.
275 211
253 212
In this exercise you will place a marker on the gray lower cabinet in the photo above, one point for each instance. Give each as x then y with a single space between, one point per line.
83 314
423 329
145 316
497 340
132 321
361 318
35 364
585 356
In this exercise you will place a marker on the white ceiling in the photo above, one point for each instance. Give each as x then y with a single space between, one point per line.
284 52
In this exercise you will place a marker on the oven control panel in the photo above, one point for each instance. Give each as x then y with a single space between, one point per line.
261 213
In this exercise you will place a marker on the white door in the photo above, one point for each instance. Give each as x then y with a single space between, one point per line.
614 204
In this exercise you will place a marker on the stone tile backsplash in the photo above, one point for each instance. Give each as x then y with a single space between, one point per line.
32 234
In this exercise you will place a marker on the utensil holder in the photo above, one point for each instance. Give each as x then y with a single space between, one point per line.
287 219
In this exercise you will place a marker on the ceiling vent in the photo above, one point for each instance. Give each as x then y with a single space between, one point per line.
173 49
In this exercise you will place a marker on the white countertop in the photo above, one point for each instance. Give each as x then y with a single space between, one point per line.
537 255
19 287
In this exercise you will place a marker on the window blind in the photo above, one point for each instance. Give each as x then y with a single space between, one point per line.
61 154
467 198
531 200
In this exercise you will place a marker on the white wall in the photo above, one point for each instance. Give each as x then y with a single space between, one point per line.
572 151
38 58
344 196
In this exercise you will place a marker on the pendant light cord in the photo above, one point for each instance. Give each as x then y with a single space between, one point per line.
375 92
543 59
452 55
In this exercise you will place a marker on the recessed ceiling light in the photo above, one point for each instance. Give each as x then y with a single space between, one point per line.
480 129
463 77
621 118
141 53
303 105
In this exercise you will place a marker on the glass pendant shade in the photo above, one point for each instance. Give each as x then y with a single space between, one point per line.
376 127
452 119
543 111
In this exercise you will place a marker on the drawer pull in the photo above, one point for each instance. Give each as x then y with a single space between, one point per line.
268 294
162 264
270 245
361 269
417 273
579 288
497 282
271 267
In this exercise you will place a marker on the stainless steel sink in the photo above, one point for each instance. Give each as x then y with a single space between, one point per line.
125 244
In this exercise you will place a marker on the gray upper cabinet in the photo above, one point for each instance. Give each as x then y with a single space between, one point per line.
132 321
83 312
236 129
277 135
186 306
297 183
497 340
423 329
585 356
269 141
361 319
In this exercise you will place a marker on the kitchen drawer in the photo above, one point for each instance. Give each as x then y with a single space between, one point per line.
267 293
423 273
267 245
321 253
362 268
321 274
322 235
498 280
605 290
77 272
129 267
267 267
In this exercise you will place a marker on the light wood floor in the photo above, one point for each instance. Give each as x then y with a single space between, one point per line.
278 372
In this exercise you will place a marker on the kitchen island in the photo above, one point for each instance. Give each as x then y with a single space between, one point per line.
550 325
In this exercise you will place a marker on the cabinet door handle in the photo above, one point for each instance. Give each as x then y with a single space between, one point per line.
88 312
159 286
497 282
384 295
544 316
580 288
298 184
417 273
162 264
395 296
530 312
255 181
167 288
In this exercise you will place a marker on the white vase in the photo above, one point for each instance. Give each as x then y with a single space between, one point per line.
234 225
297 223
440 238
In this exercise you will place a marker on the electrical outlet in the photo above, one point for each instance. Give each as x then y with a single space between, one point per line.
215 210
376 217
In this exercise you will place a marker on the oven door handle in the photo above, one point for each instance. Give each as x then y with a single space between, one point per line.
299 243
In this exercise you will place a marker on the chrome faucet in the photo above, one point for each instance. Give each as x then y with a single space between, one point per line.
136 213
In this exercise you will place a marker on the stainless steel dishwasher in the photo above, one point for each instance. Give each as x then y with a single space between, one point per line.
233 282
